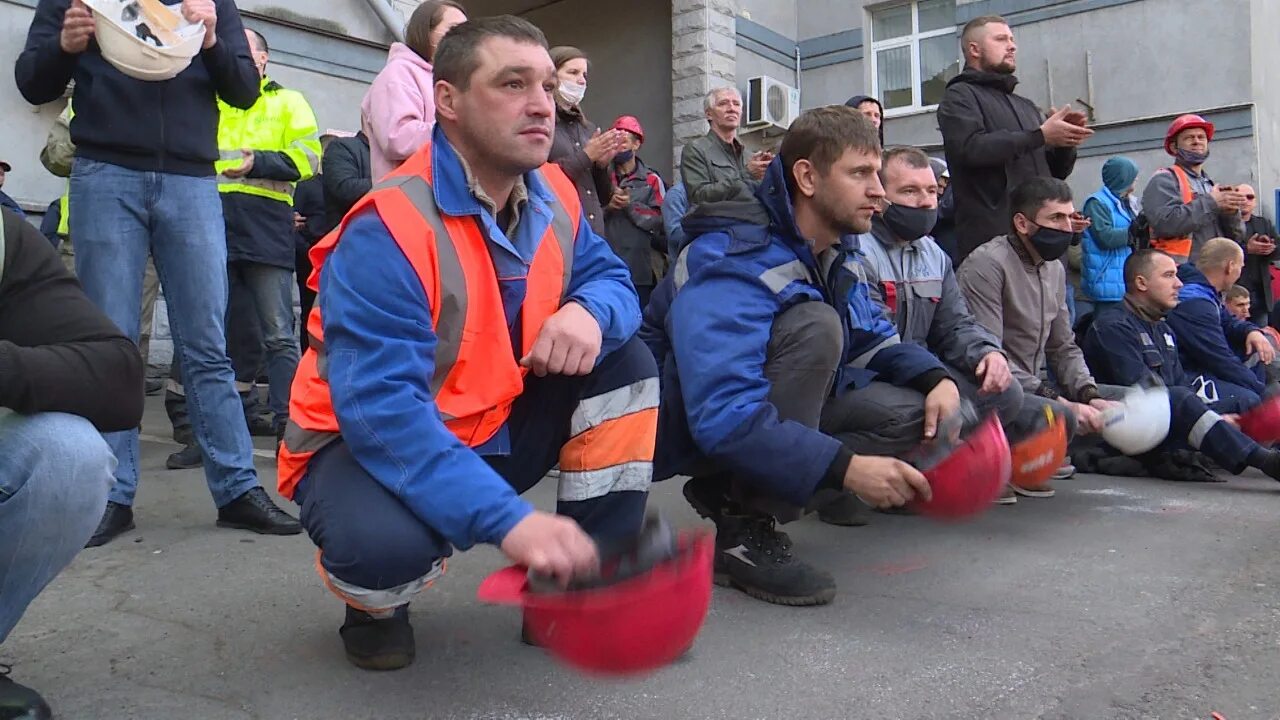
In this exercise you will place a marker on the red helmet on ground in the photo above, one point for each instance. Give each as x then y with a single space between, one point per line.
630 124
641 623
1185 122
1036 458
1263 422
969 479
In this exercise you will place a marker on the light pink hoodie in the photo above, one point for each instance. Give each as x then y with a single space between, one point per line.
399 110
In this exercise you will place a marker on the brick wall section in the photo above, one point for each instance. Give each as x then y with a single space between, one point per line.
703 56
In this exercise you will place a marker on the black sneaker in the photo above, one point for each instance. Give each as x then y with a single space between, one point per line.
255 511
19 702
186 458
378 644
846 510
153 386
754 557
117 520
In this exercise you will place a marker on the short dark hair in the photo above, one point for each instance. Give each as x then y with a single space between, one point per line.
424 20
971 27
821 135
1032 195
1139 263
262 41
913 158
456 60
1235 292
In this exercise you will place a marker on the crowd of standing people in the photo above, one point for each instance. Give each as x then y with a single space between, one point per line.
494 287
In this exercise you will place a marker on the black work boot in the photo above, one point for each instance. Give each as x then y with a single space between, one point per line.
186 458
709 496
754 557
378 644
1267 460
261 425
18 702
117 520
255 511
845 510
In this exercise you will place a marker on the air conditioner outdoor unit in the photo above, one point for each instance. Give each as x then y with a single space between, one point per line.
771 103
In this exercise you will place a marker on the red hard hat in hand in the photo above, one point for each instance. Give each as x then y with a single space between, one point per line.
1037 457
1263 422
642 622
969 479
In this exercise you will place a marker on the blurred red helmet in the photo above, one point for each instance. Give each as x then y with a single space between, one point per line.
630 124
1263 422
1185 122
1037 457
637 625
971 477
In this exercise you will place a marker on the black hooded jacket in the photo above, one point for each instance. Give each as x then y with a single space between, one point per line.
857 100
993 143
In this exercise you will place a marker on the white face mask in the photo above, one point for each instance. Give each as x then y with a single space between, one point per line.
572 93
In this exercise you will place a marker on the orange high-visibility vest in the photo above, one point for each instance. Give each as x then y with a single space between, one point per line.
477 375
1178 247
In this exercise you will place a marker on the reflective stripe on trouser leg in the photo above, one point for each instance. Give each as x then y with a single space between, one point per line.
378 602
611 443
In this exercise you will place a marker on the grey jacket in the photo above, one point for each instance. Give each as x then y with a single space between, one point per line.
1170 217
715 171
1024 304
917 287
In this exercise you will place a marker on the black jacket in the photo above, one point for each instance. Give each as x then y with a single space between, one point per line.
169 126
348 176
595 187
58 352
308 201
993 143
1256 277
636 233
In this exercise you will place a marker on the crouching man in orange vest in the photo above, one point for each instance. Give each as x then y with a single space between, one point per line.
471 333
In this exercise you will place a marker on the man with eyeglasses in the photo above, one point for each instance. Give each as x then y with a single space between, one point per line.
1260 252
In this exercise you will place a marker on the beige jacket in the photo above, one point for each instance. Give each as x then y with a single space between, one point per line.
1024 305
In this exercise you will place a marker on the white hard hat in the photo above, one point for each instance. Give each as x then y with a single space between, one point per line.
119 25
1140 423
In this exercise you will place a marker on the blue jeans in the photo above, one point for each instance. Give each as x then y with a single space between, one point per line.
270 292
53 489
121 215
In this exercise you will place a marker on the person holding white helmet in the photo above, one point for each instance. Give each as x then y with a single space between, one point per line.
1131 343
143 183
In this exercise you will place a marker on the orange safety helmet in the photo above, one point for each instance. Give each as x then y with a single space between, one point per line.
1185 122
970 478
1263 422
1036 458
643 621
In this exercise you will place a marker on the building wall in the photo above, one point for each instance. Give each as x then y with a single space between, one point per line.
1112 54
627 77
25 127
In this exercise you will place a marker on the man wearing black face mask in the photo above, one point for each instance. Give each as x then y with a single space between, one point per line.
1183 205
1018 293
917 285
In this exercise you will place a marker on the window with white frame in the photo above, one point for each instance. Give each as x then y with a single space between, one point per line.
914 52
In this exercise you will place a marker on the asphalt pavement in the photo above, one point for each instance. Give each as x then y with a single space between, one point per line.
1119 598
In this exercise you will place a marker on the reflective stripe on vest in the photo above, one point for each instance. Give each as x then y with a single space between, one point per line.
476 377
1179 247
